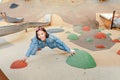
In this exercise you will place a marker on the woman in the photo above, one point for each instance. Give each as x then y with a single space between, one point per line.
43 39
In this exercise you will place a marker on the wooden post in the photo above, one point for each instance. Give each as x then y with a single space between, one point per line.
3 14
3 76
112 19
25 30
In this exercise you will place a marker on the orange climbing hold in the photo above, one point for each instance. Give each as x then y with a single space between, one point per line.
86 28
100 46
18 64
100 35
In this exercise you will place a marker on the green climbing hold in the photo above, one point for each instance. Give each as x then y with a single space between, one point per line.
77 27
81 59
80 32
108 34
72 36
100 29
89 39
67 32
119 38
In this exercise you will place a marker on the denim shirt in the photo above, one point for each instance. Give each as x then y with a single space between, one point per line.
52 42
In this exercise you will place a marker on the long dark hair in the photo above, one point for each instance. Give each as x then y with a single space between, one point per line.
40 28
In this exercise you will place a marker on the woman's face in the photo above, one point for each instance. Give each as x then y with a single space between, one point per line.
42 35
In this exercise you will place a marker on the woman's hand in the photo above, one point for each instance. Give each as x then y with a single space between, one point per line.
25 58
72 52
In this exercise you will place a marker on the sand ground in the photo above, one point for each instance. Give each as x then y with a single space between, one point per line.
50 64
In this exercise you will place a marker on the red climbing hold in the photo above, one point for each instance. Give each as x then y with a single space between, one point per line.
100 46
116 40
38 49
86 28
18 64
100 35
118 52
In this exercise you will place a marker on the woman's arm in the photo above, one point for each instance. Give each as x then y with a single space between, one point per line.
61 45
32 48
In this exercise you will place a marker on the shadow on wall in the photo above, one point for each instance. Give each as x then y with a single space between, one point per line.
4 43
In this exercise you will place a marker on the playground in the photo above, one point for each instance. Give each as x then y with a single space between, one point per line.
74 22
